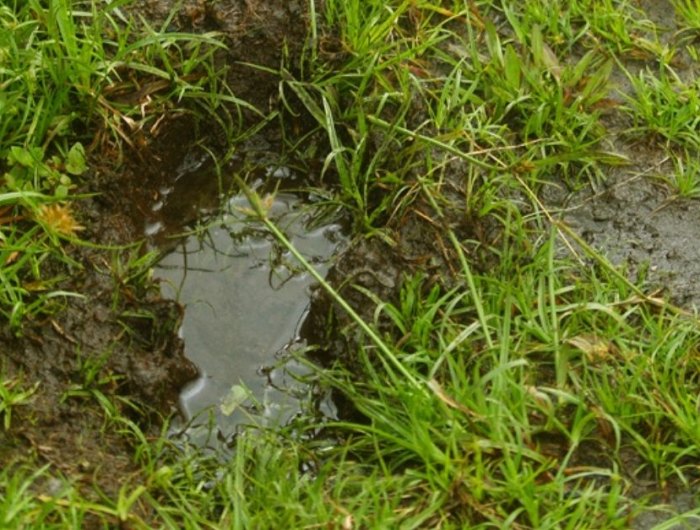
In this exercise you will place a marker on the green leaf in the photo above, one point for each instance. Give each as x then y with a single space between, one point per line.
25 157
512 68
61 192
234 399
75 164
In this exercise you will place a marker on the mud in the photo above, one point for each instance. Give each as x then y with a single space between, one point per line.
269 34
119 341
639 224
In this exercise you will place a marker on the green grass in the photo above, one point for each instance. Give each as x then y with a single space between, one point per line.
684 181
66 69
12 394
520 383
664 106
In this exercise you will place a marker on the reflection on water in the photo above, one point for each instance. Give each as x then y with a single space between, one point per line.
245 298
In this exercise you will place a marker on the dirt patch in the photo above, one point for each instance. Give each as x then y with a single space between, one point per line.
118 342
641 225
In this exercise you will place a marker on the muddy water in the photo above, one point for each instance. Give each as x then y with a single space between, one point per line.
245 299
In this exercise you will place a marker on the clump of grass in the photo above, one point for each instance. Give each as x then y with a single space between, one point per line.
511 376
664 107
688 11
503 389
418 76
42 499
684 180
622 27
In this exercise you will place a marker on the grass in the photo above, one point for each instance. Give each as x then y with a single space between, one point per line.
520 380
664 106
66 68
12 394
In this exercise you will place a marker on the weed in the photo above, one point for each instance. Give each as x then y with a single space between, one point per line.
12 395
685 179
665 108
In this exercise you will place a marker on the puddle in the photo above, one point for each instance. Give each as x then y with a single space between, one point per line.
245 299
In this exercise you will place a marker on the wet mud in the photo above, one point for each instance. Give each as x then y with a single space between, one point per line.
635 220
118 341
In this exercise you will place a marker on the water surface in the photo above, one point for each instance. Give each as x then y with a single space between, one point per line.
245 298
